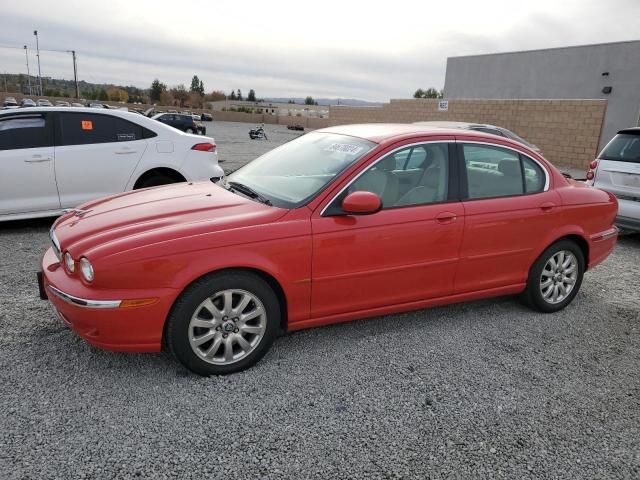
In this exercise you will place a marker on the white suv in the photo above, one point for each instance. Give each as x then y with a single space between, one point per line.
55 158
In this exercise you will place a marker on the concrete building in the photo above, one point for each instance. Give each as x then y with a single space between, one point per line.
609 71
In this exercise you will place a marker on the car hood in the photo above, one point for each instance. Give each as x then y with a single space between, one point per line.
134 219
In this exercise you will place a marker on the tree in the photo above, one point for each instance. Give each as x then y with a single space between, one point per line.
102 94
180 94
239 95
215 96
428 93
116 94
197 85
252 96
233 95
156 90
309 101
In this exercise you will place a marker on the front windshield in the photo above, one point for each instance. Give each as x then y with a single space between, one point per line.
293 173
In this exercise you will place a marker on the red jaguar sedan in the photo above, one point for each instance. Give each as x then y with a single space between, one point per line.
339 224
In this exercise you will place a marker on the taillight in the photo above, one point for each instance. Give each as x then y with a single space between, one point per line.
204 147
591 173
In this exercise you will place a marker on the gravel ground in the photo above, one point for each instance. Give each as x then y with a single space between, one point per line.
479 390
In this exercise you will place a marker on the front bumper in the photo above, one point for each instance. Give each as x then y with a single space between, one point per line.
96 315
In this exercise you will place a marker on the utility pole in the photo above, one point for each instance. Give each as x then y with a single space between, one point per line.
75 73
35 32
26 54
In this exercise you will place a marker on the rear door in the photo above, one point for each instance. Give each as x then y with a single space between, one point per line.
27 177
508 206
95 155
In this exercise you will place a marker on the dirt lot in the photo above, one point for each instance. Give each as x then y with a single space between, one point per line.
486 389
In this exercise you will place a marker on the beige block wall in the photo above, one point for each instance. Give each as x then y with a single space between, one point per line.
567 131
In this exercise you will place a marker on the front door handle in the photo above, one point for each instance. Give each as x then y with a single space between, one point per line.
446 217
38 159
547 206
125 152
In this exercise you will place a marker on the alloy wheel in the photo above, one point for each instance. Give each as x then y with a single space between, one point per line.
227 326
558 277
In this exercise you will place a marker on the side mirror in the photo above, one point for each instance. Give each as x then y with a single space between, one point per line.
361 203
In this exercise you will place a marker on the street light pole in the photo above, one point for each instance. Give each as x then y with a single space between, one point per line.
26 54
35 32
75 73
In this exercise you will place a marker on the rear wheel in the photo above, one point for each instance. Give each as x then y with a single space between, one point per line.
155 181
189 130
555 277
223 323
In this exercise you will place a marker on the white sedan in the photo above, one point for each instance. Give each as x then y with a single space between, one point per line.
54 158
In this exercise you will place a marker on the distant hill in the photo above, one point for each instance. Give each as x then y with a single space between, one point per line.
353 102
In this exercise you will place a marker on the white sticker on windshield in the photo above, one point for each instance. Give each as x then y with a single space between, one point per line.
344 148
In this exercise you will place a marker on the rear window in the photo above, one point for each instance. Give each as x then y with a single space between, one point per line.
624 147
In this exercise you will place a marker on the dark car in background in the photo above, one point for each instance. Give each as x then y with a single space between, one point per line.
186 123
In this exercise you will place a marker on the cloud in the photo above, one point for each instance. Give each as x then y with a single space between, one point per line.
283 51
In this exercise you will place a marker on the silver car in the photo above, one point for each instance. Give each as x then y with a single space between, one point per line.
482 127
617 170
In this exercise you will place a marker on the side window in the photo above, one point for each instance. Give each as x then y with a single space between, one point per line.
86 129
492 171
534 177
24 131
417 175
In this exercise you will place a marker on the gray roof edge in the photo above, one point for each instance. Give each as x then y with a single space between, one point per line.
547 49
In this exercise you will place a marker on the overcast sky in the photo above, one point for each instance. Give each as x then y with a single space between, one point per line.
357 49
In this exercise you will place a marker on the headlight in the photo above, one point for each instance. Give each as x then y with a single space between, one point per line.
86 269
69 262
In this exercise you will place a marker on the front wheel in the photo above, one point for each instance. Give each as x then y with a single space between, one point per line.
555 277
223 323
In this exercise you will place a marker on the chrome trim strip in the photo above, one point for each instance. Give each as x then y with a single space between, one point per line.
82 302
544 169
379 159
56 243
612 232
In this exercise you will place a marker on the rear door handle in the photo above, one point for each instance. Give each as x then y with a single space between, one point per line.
547 206
125 152
38 159
446 217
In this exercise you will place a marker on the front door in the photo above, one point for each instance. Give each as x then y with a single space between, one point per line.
406 252
96 155
27 180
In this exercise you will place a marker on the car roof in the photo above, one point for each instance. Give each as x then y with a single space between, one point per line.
631 130
379 132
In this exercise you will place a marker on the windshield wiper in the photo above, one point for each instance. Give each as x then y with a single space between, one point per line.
248 191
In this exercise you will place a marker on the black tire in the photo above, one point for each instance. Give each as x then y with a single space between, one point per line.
156 180
177 327
533 297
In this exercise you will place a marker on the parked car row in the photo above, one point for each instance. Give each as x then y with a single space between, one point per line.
55 158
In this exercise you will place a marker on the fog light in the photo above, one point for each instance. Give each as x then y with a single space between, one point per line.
87 269
69 262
